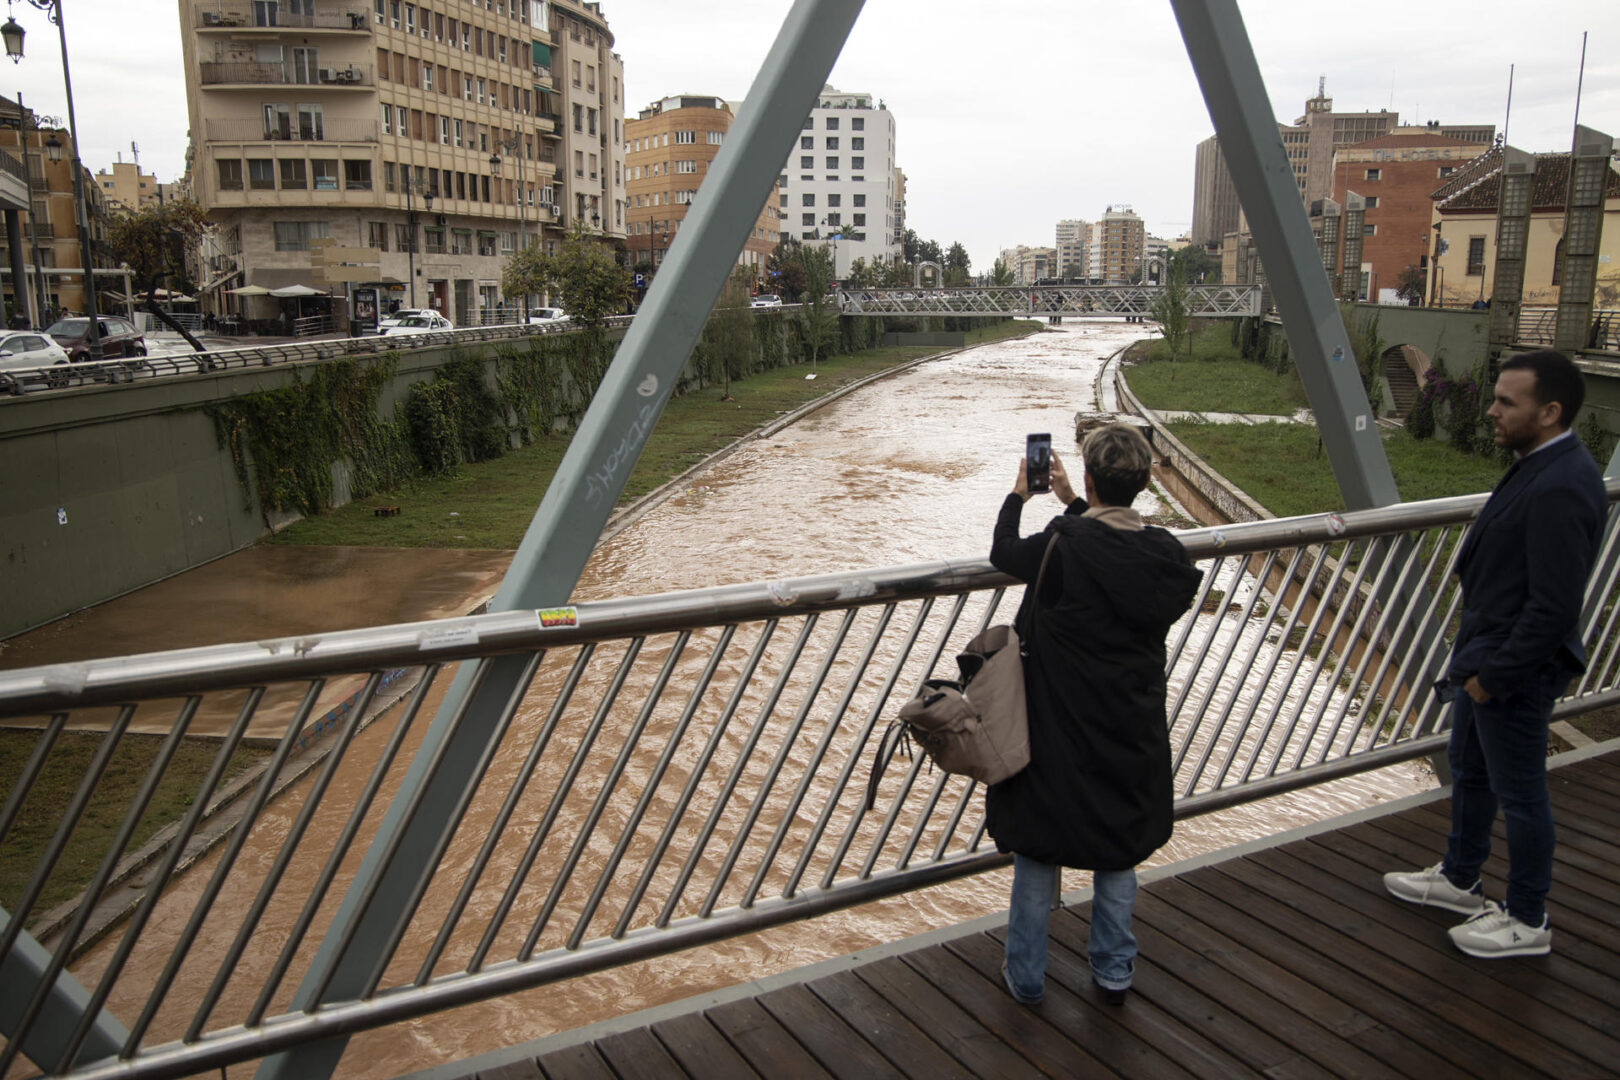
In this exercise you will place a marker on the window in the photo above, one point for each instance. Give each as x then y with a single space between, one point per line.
807 219
857 123
575 68
716 138
444 130
427 77
325 172
1369 230
834 220
832 142
292 174
458 132
685 138
387 119
434 239
357 175
1476 255
377 235
860 219
807 142
686 166
835 199
410 18
590 118
832 123
310 124
807 162
486 243
1447 170
860 200
461 241
1372 202
807 199
393 13
579 117
832 164
230 174
296 235
404 234
1373 174
857 163
261 174
1558 262
857 143
389 181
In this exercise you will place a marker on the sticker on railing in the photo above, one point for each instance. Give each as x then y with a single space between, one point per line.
447 637
781 593
552 617
1218 539
1335 525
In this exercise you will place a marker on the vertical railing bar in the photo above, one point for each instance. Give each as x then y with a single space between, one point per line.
1325 611
64 830
951 826
1191 679
458 811
1278 600
1190 620
1213 743
1351 636
340 848
633 825
1341 613
744 758
1595 647
914 835
1380 627
857 747
1195 722
411 808
104 872
1430 694
222 867
773 772
1306 597
514 793
678 812
306 814
632 742
587 743
1380 588
880 839
1421 626
853 825
1601 584
30 772
817 832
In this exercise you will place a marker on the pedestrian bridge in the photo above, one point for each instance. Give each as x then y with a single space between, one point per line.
673 771
1091 301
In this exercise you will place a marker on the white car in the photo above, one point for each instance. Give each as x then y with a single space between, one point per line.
429 322
540 316
764 300
393 319
22 350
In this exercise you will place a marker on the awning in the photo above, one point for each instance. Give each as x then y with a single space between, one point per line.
222 279
249 290
295 290
542 54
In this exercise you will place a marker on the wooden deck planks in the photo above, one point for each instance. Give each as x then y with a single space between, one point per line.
1288 961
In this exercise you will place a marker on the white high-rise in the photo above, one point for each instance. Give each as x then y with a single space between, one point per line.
838 185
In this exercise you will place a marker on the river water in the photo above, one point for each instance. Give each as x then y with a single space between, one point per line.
911 468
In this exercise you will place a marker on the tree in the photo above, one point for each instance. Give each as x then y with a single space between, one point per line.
785 271
818 315
526 273
957 261
1200 267
730 331
591 287
1001 273
1170 306
153 242
1409 284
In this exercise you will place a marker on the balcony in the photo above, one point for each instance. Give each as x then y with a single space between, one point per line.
212 15
252 75
329 131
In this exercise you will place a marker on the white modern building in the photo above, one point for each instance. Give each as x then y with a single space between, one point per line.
838 187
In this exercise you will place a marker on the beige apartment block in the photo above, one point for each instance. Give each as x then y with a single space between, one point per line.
425 141
669 148
1118 245
125 187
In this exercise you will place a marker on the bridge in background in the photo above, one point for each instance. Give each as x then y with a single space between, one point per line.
1090 301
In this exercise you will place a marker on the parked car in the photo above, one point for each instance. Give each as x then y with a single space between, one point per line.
765 299
393 319
429 322
544 315
119 337
27 350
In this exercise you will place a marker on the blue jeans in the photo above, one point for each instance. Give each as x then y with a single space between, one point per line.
1112 945
1498 755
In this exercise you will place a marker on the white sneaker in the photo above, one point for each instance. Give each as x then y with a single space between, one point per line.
1431 889
1493 932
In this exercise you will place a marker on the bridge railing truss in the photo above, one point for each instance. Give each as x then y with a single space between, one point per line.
1080 301
675 770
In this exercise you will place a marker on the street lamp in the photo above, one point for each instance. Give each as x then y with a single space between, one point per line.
13 33
514 146
836 231
410 226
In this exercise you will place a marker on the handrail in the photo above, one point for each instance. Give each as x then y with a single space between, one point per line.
718 738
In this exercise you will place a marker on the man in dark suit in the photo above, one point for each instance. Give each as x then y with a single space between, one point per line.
1523 568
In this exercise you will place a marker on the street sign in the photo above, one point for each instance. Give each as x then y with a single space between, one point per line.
641 281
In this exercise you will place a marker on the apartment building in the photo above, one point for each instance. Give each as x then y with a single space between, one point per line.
1071 240
841 181
1216 210
49 229
1117 248
125 187
669 147
413 146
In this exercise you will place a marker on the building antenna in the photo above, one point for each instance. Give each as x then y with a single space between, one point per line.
1580 79
135 152
1509 115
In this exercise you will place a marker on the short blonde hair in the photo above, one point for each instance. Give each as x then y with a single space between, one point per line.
1118 460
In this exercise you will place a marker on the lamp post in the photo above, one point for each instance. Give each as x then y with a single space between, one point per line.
13 34
836 231
410 227
28 169
514 146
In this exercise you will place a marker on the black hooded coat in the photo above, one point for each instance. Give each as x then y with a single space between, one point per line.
1097 792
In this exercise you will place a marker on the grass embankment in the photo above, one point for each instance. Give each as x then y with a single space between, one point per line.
490 504
1281 466
41 812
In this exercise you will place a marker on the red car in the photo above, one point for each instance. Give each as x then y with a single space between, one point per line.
119 337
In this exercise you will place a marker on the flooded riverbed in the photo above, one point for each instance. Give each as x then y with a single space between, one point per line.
911 468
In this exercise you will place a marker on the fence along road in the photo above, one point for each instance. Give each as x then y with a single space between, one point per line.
733 803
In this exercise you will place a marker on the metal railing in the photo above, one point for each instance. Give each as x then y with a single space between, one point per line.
1539 326
336 129
224 73
1203 301
214 14
683 768
9 164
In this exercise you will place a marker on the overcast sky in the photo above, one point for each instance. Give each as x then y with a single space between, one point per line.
1009 115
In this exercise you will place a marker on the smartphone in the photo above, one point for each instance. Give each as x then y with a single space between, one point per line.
1038 462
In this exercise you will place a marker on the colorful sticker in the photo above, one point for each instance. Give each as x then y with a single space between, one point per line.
1217 538
553 617
1335 525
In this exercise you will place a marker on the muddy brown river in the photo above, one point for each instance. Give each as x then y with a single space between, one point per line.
910 468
